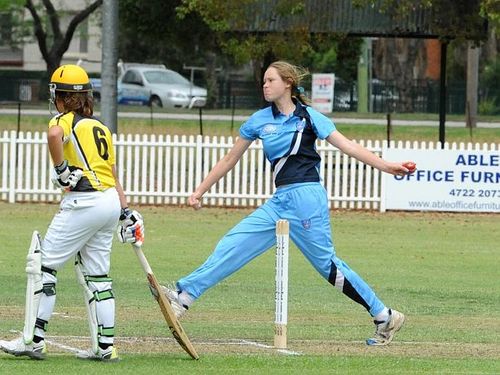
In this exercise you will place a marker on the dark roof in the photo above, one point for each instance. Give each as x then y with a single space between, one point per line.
338 16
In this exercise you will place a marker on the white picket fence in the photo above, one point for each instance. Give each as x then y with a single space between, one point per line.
166 169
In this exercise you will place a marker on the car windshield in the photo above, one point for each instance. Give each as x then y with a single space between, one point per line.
165 77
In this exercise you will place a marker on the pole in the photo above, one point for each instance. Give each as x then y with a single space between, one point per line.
369 64
442 93
18 117
201 121
109 64
363 78
472 85
233 105
150 112
389 129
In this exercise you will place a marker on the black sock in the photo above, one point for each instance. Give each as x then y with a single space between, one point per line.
37 339
104 346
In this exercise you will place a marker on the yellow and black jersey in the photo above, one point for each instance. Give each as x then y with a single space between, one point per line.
87 145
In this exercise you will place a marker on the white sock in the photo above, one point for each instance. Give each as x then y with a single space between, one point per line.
382 316
185 298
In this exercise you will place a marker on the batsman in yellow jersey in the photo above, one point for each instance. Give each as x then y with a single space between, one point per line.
87 147
92 207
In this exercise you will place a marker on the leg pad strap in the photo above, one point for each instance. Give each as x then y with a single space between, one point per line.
42 324
49 289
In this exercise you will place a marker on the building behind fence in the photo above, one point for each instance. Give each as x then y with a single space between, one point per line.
164 170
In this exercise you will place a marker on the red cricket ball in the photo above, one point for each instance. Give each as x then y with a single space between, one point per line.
411 166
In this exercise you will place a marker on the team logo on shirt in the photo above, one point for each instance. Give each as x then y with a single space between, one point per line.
269 129
300 125
306 223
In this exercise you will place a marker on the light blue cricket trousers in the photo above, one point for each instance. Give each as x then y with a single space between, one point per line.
305 207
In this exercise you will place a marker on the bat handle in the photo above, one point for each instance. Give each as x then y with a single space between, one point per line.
142 259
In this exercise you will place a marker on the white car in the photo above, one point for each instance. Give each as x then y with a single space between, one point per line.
159 86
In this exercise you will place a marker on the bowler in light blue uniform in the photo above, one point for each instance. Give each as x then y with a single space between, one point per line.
289 145
288 129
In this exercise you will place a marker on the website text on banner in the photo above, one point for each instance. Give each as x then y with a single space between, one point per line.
445 180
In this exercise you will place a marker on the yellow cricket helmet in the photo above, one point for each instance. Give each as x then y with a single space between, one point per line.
70 78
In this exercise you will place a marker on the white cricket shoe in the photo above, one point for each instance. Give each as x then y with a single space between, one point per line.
104 355
385 331
18 348
173 296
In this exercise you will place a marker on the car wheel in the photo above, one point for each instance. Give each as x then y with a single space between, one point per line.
155 101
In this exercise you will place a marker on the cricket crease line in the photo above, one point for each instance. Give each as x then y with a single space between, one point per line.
240 342
258 345
50 342
215 342
65 347
64 315
234 341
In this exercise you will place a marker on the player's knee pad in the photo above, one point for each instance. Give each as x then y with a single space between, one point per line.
34 286
97 290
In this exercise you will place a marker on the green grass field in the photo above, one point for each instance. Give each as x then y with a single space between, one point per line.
441 270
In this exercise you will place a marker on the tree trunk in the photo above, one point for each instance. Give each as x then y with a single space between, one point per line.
211 79
60 41
402 61
472 85
259 68
491 46
53 62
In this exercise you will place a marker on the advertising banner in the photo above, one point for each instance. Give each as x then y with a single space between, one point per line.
322 92
445 180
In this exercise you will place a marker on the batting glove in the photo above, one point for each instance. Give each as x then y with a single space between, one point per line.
64 177
131 228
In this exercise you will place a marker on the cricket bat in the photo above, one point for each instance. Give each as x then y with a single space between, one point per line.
165 307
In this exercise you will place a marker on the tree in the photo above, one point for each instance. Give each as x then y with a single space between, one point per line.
491 10
228 23
399 60
333 53
152 32
457 20
52 40
211 33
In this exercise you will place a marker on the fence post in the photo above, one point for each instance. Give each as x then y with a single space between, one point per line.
12 166
18 117
382 180
199 160
201 121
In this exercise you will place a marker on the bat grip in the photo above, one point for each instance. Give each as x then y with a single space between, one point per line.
142 259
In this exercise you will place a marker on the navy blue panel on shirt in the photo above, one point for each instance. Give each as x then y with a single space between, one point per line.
289 142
